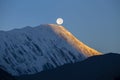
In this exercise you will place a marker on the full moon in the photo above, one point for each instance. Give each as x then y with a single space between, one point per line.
59 21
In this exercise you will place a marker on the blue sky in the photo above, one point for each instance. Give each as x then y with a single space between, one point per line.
94 22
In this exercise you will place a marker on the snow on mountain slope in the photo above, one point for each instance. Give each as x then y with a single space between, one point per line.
31 50
81 47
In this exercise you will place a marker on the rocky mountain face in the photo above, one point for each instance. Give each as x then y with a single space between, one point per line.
33 49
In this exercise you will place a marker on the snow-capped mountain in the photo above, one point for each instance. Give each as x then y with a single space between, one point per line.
33 49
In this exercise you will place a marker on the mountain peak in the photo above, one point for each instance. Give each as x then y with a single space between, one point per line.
33 49
64 33
69 37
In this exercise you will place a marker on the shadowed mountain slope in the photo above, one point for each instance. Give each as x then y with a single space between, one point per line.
5 76
102 67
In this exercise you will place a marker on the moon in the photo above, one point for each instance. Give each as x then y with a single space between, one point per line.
59 21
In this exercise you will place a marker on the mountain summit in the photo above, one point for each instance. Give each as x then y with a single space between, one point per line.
81 47
33 49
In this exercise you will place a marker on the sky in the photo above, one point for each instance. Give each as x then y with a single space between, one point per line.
94 22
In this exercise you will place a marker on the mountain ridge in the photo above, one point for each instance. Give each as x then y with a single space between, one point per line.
70 38
33 49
